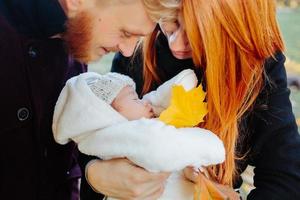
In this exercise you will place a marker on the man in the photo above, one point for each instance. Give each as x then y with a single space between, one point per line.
35 65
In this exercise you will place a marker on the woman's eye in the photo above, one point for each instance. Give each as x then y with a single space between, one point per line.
176 24
170 27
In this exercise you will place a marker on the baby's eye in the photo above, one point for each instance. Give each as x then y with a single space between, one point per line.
134 97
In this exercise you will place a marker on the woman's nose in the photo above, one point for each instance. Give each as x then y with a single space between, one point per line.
178 41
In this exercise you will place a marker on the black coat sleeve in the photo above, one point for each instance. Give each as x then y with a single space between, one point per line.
276 141
86 192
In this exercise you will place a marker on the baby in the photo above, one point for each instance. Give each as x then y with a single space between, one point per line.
105 117
119 91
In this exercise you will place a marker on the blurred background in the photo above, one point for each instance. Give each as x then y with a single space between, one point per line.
289 20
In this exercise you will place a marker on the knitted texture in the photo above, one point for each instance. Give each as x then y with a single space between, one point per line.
108 86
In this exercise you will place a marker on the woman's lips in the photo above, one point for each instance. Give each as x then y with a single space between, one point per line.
182 54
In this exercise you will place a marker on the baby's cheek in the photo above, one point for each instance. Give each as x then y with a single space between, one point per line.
139 112
131 112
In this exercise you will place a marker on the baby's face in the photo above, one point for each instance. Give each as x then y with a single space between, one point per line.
130 106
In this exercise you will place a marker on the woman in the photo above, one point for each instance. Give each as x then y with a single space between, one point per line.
236 48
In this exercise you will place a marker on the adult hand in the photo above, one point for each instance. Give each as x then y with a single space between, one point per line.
223 190
121 179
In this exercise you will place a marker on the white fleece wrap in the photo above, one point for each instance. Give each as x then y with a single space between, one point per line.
160 98
101 131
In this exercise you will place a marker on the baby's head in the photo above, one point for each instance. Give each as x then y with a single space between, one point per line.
119 91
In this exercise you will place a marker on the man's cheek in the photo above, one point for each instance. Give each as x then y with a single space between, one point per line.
111 42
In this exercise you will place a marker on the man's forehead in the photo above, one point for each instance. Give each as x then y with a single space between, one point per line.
135 19
136 32
128 1
139 30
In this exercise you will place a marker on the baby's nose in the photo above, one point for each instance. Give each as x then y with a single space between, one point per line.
146 103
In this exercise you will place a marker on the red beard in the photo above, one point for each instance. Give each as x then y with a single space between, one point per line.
78 36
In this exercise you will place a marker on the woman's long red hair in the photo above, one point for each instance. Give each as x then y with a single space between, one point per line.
230 40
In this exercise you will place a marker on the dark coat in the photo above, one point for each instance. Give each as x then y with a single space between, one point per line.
33 72
34 18
269 130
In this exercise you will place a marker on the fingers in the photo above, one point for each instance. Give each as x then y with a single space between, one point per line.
148 191
121 179
156 194
215 188
149 184
146 185
228 191
191 174
163 176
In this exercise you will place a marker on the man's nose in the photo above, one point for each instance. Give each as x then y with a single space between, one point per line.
128 46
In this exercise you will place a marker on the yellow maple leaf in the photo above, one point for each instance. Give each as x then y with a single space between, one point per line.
187 108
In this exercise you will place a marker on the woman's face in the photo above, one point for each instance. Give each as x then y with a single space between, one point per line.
177 38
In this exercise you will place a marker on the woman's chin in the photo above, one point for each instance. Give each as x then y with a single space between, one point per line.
182 56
